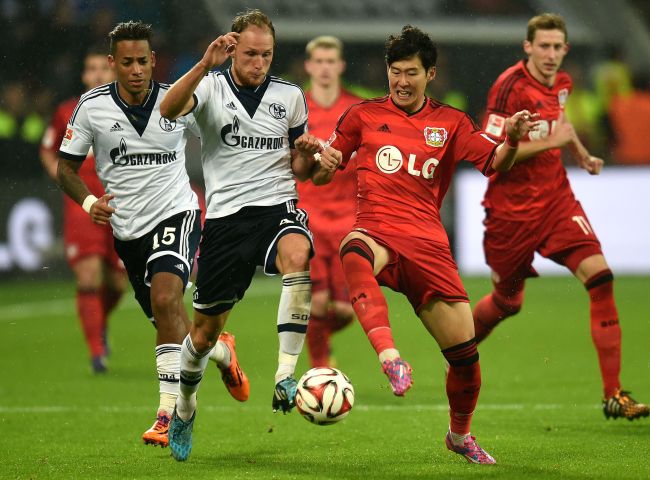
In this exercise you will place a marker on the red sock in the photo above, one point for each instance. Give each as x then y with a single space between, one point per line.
505 301
318 341
463 385
91 314
365 295
605 330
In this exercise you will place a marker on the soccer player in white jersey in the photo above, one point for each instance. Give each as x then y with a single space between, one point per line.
249 124
140 160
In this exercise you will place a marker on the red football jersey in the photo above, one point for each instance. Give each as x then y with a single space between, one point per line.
524 191
405 162
338 199
52 141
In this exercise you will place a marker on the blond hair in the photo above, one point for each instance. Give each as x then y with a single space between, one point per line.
324 41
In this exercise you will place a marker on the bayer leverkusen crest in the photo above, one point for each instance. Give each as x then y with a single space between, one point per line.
435 137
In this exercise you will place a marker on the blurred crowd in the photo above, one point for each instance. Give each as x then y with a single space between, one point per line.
42 44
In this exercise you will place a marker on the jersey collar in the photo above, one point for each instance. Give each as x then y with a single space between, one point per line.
138 115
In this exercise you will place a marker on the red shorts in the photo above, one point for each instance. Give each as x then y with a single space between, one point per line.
421 270
325 267
83 238
563 235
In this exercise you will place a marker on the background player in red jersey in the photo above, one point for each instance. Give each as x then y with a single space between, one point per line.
99 272
532 207
407 148
331 207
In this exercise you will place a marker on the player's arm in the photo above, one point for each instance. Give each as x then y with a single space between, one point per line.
179 100
310 157
516 127
583 158
50 162
68 178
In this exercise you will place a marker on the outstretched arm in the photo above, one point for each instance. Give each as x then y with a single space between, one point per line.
178 100
68 177
316 161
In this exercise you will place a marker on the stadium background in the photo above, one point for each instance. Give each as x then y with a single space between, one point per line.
42 43
539 411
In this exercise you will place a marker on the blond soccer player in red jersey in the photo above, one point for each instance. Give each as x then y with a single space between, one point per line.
407 148
332 207
532 208
99 273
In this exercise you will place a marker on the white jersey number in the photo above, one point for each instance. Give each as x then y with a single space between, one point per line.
167 238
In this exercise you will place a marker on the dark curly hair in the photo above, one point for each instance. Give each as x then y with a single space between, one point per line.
131 30
411 41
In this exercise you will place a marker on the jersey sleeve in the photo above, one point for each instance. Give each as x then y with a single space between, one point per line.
504 100
203 91
78 136
297 116
347 134
473 145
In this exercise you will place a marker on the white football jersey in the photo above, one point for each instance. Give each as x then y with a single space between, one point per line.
139 156
246 136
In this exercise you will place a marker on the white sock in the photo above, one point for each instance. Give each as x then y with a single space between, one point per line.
220 354
458 438
168 364
293 316
192 367
388 354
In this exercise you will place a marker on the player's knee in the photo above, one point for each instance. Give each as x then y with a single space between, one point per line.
343 312
319 306
510 302
164 300
294 261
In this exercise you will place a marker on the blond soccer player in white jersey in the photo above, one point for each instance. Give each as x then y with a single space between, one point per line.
140 160
252 129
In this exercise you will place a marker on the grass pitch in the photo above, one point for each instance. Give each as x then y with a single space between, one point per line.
539 411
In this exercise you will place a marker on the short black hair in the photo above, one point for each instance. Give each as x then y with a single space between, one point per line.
131 30
411 41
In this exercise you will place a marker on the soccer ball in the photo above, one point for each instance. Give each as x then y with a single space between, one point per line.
324 396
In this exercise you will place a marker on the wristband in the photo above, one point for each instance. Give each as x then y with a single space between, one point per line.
511 143
88 202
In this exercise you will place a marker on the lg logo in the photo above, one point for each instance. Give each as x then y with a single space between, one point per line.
389 160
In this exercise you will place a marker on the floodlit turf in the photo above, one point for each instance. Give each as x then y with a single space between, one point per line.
539 412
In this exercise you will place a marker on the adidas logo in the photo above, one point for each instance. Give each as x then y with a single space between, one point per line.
231 106
117 127
180 266
384 128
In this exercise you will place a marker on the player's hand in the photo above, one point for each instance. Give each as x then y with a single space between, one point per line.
520 124
308 144
101 211
220 50
563 132
329 159
592 164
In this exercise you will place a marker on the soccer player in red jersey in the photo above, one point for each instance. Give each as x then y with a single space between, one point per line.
532 207
99 272
407 148
331 207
